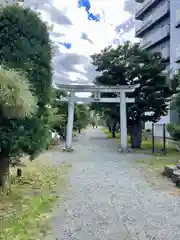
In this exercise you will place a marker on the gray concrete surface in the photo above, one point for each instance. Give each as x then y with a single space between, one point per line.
108 197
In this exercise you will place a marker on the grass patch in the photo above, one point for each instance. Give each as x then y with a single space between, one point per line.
158 162
146 146
25 211
109 134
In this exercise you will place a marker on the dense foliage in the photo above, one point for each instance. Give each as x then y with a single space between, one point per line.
25 46
174 131
174 128
60 114
129 64
16 99
81 117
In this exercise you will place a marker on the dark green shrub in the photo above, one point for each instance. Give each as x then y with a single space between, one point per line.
25 45
174 131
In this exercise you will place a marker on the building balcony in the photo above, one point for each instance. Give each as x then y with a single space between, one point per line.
164 50
160 35
177 24
165 53
144 7
148 23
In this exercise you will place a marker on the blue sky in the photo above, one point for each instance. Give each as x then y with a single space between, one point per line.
67 45
87 5
90 16
80 28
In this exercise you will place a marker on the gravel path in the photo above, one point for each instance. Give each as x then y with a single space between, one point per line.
108 198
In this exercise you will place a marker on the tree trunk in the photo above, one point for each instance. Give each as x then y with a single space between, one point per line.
109 127
19 172
64 134
79 130
113 134
114 130
4 173
136 135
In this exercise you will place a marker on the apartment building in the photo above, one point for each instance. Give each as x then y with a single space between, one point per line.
159 30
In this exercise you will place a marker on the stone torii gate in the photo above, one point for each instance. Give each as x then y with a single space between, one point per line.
97 90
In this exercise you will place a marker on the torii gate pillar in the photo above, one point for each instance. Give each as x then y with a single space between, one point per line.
123 121
69 133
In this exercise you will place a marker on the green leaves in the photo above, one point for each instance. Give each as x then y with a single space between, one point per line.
81 116
129 64
25 47
174 130
16 99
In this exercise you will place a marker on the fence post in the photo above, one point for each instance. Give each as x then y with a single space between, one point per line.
152 137
164 138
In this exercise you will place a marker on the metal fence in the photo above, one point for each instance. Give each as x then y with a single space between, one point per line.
158 136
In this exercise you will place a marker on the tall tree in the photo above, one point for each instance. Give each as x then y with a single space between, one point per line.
16 103
25 45
129 64
81 116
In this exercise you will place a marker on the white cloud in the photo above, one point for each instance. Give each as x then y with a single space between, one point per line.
69 23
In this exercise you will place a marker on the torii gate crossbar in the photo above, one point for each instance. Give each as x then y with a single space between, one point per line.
71 99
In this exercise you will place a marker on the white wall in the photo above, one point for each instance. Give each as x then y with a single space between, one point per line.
158 128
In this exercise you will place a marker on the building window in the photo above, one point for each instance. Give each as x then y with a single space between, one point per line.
177 18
